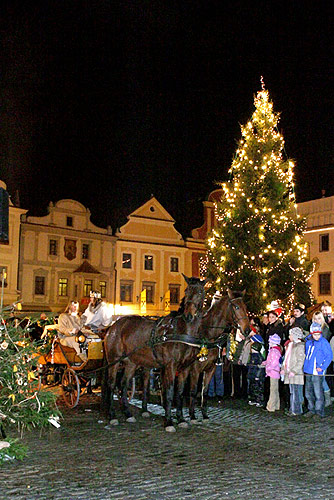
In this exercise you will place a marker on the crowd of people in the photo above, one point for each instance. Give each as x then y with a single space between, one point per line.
281 363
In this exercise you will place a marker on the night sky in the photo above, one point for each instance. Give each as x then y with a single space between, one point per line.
108 102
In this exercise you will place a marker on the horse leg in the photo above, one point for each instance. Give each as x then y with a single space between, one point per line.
146 392
207 376
105 395
194 376
181 379
112 374
168 380
129 373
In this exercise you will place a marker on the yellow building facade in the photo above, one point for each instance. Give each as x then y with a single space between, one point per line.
64 256
320 237
150 258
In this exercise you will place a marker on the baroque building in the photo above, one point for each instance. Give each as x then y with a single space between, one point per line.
150 256
63 256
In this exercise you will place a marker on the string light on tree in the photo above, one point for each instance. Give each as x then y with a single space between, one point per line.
258 241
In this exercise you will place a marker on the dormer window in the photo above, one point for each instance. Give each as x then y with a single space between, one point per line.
69 221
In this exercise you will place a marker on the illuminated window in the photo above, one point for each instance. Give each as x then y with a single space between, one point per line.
69 221
103 289
324 283
85 251
148 262
174 264
149 287
63 287
53 247
88 287
174 294
324 243
126 260
39 285
126 291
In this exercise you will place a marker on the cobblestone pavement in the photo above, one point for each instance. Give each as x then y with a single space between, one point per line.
241 453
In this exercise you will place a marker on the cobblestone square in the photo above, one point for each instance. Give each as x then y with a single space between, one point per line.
241 453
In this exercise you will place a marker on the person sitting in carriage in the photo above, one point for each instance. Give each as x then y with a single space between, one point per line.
97 316
69 326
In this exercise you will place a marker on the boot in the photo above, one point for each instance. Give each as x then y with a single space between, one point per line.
328 400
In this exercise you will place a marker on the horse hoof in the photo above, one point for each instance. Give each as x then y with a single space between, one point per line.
131 420
145 414
114 421
196 422
183 425
170 428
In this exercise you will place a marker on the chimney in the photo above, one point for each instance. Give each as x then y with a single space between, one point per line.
323 193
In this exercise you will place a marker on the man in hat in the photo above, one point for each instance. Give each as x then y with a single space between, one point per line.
318 355
97 316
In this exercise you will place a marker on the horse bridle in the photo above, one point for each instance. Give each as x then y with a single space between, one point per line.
200 304
234 316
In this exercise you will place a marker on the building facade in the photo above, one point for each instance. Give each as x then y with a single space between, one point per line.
9 254
64 256
150 256
320 238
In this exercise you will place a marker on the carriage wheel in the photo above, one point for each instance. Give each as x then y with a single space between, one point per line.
71 388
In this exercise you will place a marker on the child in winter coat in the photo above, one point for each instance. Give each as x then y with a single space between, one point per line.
292 369
255 373
272 365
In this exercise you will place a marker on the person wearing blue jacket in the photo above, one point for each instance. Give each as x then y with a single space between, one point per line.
318 355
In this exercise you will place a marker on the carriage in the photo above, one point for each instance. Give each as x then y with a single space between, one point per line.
62 364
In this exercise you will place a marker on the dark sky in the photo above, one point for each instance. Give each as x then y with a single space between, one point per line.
108 102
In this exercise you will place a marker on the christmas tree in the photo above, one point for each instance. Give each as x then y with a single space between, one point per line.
23 405
258 241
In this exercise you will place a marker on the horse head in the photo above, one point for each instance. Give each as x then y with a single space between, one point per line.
237 311
194 295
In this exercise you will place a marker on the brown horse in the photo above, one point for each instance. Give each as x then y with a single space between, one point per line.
212 331
141 327
171 346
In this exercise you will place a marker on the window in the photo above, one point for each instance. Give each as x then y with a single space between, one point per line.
3 276
149 292
325 283
88 287
39 285
174 264
174 294
103 289
53 247
324 243
148 262
69 221
85 251
63 287
126 291
126 261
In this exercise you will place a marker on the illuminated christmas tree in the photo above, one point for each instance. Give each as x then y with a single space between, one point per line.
23 405
258 242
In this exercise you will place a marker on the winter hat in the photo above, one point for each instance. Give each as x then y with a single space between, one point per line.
275 339
274 305
297 333
315 328
300 307
257 338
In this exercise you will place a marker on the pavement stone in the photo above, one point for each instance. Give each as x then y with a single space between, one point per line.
242 452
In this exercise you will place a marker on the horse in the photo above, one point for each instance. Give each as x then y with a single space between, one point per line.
211 329
172 346
191 306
